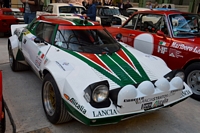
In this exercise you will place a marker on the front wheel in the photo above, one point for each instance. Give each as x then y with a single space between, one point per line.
53 103
192 73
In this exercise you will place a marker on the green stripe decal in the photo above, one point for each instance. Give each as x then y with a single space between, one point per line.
121 67
82 22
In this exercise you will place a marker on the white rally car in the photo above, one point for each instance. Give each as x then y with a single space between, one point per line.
88 75
62 9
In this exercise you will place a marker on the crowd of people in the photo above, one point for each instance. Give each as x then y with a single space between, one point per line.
156 5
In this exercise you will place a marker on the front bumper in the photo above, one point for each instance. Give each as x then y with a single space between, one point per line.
134 100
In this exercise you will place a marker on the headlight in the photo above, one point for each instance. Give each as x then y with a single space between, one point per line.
180 74
100 93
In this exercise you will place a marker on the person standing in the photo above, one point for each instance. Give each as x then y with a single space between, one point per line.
128 5
1 3
30 8
91 12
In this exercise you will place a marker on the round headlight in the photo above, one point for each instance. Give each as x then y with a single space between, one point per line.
100 93
180 74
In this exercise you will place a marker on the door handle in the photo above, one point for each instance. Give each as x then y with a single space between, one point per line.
131 34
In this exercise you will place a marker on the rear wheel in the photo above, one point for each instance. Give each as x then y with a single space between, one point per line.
192 73
53 103
14 64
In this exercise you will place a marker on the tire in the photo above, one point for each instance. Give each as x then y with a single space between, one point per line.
3 121
15 65
192 74
53 103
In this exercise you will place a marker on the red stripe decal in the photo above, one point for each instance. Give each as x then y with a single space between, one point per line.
124 56
96 60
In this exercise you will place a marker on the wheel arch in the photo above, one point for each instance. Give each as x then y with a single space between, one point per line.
13 41
191 62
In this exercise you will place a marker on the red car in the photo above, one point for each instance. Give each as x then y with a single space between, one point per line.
172 35
9 16
2 112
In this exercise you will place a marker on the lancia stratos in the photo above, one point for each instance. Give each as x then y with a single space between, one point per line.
88 75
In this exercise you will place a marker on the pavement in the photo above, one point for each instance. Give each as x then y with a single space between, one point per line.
22 93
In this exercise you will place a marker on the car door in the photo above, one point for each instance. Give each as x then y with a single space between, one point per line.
34 51
150 35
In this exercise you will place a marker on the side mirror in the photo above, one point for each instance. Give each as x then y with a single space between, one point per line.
160 33
38 40
119 36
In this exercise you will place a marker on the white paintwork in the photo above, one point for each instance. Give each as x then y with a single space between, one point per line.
144 43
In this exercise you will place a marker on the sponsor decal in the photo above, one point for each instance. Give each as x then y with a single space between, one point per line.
66 66
159 103
185 93
175 53
60 66
76 104
27 32
40 54
38 62
196 50
131 100
142 100
33 37
146 105
174 91
46 60
107 112
181 46
162 50
162 43
185 47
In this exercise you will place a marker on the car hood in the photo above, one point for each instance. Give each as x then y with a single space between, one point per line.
126 66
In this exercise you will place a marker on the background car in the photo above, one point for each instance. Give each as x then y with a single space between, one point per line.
9 16
171 35
131 10
89 75
63 9
110 15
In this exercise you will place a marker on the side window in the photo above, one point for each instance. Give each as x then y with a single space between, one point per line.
149 22
45 31
49 9
163 26
131 23
39 30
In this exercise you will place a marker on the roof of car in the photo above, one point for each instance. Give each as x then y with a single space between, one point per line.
12 9
138 8
65 21
111 7
66 4
166 12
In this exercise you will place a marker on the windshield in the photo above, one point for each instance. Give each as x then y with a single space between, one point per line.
109 11
86 40
184 25
70 9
